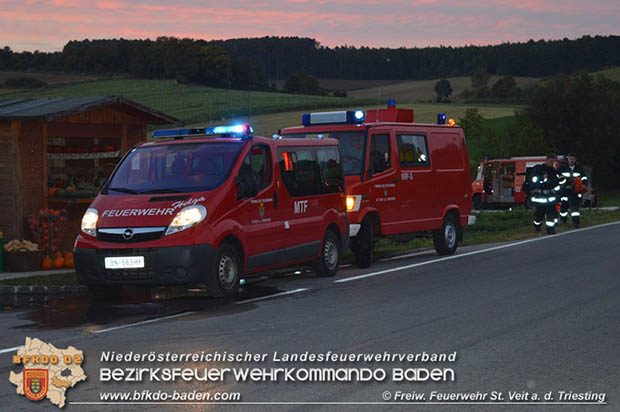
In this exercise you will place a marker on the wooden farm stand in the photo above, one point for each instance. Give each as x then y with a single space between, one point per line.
50 145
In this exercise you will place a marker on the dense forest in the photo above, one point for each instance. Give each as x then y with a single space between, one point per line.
248 63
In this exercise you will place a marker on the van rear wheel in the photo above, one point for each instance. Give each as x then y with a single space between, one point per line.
327 264
362 245
224 277
446 238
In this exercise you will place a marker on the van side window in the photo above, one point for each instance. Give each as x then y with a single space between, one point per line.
380 153
330 167
299 171
412 150
258 163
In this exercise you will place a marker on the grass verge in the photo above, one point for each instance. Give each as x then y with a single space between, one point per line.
63 279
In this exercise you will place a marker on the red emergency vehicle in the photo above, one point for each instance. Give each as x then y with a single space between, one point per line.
209 205
401 177
499 181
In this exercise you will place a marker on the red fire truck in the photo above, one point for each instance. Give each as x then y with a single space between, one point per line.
401 177
499 181
209 205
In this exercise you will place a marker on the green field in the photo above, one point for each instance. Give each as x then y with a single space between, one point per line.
612 73
423 90
267 112
192 104
269 124
51 78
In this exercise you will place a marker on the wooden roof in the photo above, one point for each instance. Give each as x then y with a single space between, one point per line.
54 108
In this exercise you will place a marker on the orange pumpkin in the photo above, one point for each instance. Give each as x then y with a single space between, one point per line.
47 263
69 260
59 262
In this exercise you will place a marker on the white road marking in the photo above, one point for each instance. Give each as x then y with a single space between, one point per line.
290 292
144 322
476 252
407 256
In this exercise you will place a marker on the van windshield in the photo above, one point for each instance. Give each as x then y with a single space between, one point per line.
174 168
351 146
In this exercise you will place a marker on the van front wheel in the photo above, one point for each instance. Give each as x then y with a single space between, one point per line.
223 280
327 263
446 238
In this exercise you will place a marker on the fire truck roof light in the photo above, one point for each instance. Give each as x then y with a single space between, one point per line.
243 131
441 118
347 117
451 122
391 103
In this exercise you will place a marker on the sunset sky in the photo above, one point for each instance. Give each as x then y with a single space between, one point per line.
48 24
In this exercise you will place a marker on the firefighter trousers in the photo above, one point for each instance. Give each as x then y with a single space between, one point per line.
570 201
549 211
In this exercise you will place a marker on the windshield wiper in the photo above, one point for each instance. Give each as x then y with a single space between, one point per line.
123 190
158 191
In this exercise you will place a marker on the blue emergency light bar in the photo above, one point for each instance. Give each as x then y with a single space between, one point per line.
348 117
441 118
243 131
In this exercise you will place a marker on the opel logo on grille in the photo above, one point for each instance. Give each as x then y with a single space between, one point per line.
127 234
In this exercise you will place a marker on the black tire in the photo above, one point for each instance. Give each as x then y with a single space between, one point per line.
223 279
327 264
363 244
477 202
105 293
446 238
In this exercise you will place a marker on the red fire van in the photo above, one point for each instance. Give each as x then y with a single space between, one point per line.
210 205
402 177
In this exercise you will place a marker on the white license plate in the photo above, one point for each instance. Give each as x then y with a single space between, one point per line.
124 262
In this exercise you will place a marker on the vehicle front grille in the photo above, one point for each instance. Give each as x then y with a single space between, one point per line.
140 234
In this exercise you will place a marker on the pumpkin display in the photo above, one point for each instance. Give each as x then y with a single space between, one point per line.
59 262
47 228
69 260
47 263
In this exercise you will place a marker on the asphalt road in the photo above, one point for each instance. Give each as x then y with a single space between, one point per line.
539 315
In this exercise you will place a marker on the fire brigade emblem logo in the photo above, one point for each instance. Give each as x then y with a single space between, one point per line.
35 383
261 209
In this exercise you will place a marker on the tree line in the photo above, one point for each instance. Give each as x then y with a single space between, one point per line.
249 63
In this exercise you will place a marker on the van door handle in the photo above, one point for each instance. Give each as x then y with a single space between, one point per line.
395 180
275 200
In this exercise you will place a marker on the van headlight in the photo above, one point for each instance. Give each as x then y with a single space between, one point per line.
186 218
89 222
353 203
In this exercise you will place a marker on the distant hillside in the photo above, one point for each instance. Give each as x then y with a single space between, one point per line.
49 78
424 90
192 104
612 73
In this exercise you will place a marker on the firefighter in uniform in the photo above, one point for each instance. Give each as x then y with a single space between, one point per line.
574 183
542 186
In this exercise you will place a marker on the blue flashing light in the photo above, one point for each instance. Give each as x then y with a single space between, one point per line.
441 118
391 103
305 119
356 116
348 117
243 131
